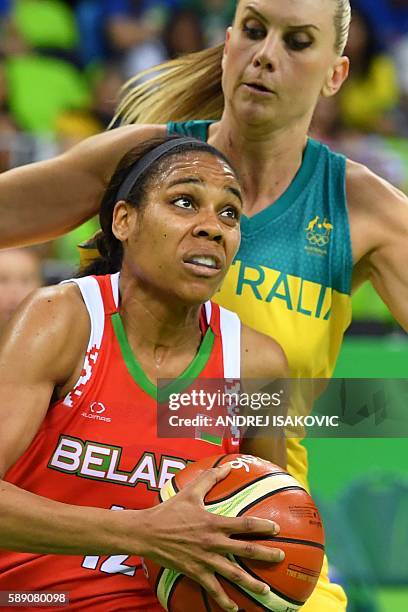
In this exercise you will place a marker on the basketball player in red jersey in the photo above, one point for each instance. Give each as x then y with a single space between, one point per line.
79 456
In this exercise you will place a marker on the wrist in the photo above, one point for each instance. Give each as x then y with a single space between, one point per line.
130 531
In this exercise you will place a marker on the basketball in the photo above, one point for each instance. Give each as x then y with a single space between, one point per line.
254 487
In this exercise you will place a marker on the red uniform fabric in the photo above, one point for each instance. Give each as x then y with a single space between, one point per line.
98 447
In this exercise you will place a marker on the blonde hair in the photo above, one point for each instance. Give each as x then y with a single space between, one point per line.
342 19
189 87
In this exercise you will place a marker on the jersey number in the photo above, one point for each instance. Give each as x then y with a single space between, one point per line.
115 564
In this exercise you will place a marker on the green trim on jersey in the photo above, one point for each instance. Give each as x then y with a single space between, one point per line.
196 129
192 371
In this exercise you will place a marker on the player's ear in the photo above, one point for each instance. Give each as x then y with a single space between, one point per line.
226 45
336 76
124 218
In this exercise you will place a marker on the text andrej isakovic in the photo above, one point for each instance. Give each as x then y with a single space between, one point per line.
220 409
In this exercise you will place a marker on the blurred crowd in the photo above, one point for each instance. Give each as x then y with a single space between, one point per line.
62 64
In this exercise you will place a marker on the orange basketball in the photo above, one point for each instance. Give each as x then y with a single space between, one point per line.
254 487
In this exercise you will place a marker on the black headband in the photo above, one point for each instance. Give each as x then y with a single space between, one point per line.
150 158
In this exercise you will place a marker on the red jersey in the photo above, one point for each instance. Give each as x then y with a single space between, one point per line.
99 447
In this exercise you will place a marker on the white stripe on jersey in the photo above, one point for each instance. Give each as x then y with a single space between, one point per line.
230 326
115 287
92 297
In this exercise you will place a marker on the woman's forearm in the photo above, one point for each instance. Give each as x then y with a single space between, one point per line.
31 523
41 201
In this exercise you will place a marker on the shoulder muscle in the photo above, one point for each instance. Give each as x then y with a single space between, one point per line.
378 210
41 332
40 349
262 356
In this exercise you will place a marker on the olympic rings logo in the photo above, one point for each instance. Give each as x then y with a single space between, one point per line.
318 239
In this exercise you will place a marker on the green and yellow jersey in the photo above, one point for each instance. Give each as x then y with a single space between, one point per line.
291 278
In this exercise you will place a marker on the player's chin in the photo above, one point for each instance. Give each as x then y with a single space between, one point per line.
199 291
254 112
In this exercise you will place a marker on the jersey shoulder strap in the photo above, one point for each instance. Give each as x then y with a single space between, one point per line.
92 297
226 325
194 129
101 298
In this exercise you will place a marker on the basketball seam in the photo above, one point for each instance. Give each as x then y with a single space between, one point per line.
216 464
269 494
273 589
159 575
174 481
258 603
294 541
247 484
173 588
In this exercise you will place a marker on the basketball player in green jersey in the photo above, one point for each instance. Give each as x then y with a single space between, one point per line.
317 225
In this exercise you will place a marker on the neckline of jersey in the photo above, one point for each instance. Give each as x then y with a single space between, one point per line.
301 179
136 371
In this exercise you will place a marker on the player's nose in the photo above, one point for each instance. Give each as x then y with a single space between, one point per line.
209 226
266 56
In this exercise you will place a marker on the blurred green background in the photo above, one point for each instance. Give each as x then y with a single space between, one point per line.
362 488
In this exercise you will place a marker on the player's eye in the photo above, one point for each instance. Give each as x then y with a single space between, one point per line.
230 213
253 29
183 202
297 41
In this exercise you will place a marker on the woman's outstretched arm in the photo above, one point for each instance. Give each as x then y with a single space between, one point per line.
41 201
